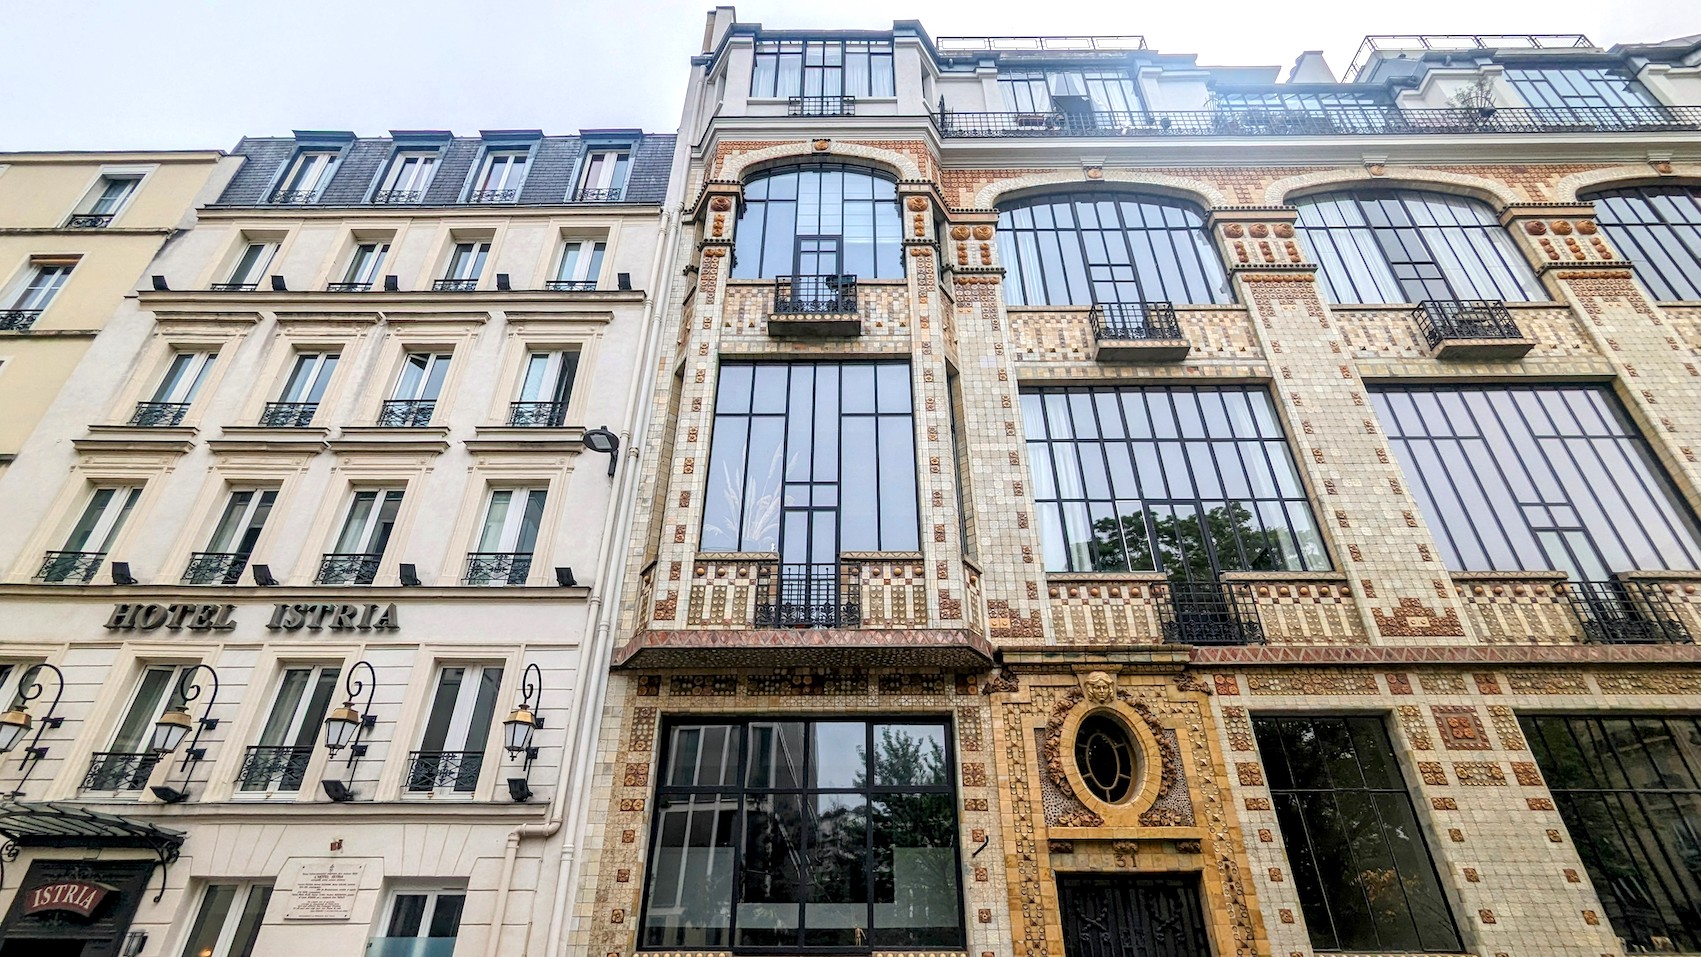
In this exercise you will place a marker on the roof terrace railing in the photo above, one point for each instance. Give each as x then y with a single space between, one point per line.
1425 42
1120 44
1325 121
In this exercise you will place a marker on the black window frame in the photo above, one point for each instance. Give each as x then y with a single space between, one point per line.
1648 239
767 56
1304 861
1539 86
1590 836
755 255
1438 259
740 785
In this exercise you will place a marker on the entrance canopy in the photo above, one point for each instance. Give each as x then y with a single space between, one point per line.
53 824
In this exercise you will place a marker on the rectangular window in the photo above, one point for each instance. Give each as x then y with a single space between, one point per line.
229 920
1069 91
102 519
1516 478
104 201
1355 847
363 267
128 761
545 388
365 534
466 262
309 377
1579 92
420 924
279 761
250 267
581 265
604 180
1629 790
171 398
785 68
457 730
500 176
233 538
1191 481
307 177
507 538
38 288
826 834
408 177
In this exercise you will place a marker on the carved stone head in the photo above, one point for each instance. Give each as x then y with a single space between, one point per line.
1099 687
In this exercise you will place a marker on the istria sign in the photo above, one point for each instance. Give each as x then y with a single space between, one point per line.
209 616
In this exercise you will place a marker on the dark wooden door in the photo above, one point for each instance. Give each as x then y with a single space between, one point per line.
1132 917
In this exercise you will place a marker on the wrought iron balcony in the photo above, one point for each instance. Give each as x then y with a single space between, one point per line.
296 197
348 568
273 768
118 771
1210 613
88 221
493 195
1137 332
498 568
804 295
821 106
1625 612
537 415
397 197
571 285
70 566
215 568
288 415
1324 121
434 770
235 286
1470 329
455 285
17 320
602 195
407 413
809 596
159 414
348 287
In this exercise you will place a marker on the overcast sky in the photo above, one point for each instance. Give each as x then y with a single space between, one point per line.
185 74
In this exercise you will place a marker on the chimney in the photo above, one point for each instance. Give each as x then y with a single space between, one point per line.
720 20
1310 68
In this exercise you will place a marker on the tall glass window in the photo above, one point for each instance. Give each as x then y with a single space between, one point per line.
1407 245
1629 791
1363 872
1557 89
805 834
1084 248
848 211
1094 91
812 459
1188 481
1659 229
822 68
1514 478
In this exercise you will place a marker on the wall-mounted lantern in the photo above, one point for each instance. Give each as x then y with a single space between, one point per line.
16 723
175 723
345 726
518 729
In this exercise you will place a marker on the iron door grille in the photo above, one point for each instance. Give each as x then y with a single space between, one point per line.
1132 917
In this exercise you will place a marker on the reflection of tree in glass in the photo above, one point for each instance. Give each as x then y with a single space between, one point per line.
915 885
1185 550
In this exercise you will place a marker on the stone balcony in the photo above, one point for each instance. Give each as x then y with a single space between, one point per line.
1132 608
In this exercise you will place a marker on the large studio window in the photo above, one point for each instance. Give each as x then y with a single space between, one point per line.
822 68
1659 229
1406 245
1515 478
1184 480
819 220
1356 849
835 834
1077 249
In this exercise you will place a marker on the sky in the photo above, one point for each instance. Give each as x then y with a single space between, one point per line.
199 74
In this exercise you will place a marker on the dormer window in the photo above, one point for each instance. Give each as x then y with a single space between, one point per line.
500 176
104 201
604 179
307 177
408 177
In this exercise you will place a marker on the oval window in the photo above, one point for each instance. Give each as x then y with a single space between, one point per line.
1105 758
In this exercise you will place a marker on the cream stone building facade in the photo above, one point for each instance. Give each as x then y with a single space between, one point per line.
76 231
1104 505
328 507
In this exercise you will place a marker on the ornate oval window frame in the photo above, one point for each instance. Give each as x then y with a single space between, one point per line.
1148 762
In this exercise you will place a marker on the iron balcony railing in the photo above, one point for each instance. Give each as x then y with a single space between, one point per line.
1134 321
434 770
813 295
821 106
17 320
1444 319
348 568
536 415
571 285
493 196
406 413
455 285
1324 121
268 767
295 197
1621 612
158 414
498 568
1210 613
1453 42
612 194
235 286
809 596
70 566
89 221
119 771
288 415
215 568
1038 44
397 197
348 287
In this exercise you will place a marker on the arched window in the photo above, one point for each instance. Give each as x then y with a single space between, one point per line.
819 220
1077 249
1406 245
1659 229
